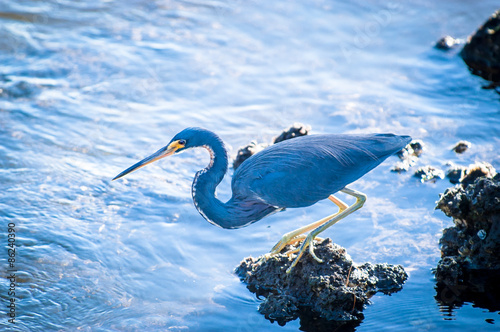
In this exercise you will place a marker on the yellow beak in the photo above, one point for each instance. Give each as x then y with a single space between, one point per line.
162 153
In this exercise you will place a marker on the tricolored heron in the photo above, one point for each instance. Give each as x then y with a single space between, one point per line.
294 173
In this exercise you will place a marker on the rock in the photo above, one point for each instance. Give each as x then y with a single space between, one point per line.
298 129
408 156
474 241
482 50
415 148
467 175
403 166
462 146
455 173
470 265
447 43
474 171
246 152
429 173
335 290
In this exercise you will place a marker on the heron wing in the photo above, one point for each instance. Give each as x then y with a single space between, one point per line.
301 171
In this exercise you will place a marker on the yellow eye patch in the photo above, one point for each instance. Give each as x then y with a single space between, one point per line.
176 144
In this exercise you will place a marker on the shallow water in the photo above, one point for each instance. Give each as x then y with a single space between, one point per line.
87 89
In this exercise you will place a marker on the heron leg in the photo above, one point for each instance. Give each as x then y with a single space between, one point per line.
297 235
308 242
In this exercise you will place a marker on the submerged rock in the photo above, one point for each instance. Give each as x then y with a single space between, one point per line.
462 146
455 173
246 152
482 50
447 43
409 156
467 175
469 250
335 290
477 170
402 166
429 173
298 129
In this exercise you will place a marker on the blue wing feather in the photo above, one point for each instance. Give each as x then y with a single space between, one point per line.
301 171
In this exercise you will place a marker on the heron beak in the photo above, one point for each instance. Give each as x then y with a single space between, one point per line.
162 153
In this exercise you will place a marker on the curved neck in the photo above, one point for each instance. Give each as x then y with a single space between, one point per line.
206 181
235 213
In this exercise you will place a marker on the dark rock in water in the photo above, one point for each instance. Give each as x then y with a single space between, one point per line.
467 175
335 290
403 166
482 50
417 147
474 241
447 43
246 152
462 146
429 173
409 156
471 206
455 173
474 171
298 129
470 265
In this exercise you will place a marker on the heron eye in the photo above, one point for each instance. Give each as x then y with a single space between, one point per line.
182 142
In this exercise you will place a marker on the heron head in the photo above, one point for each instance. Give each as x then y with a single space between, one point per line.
176 145
188 138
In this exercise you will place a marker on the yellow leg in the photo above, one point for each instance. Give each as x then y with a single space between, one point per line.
297 235
360 200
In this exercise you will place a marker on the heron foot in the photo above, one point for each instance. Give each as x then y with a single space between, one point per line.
308 243
294 251
288 238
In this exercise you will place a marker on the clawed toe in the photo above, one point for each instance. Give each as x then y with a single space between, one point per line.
308 242
288 239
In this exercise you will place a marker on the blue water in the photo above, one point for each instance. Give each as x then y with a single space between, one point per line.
89 88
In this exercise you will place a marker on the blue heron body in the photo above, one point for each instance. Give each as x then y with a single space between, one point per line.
294 173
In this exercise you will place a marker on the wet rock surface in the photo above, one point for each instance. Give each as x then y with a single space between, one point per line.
462 146
455 173
447 43
246 152
482 50
333 291
298 129
429 173
477 170
467 175
470 265
408 156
